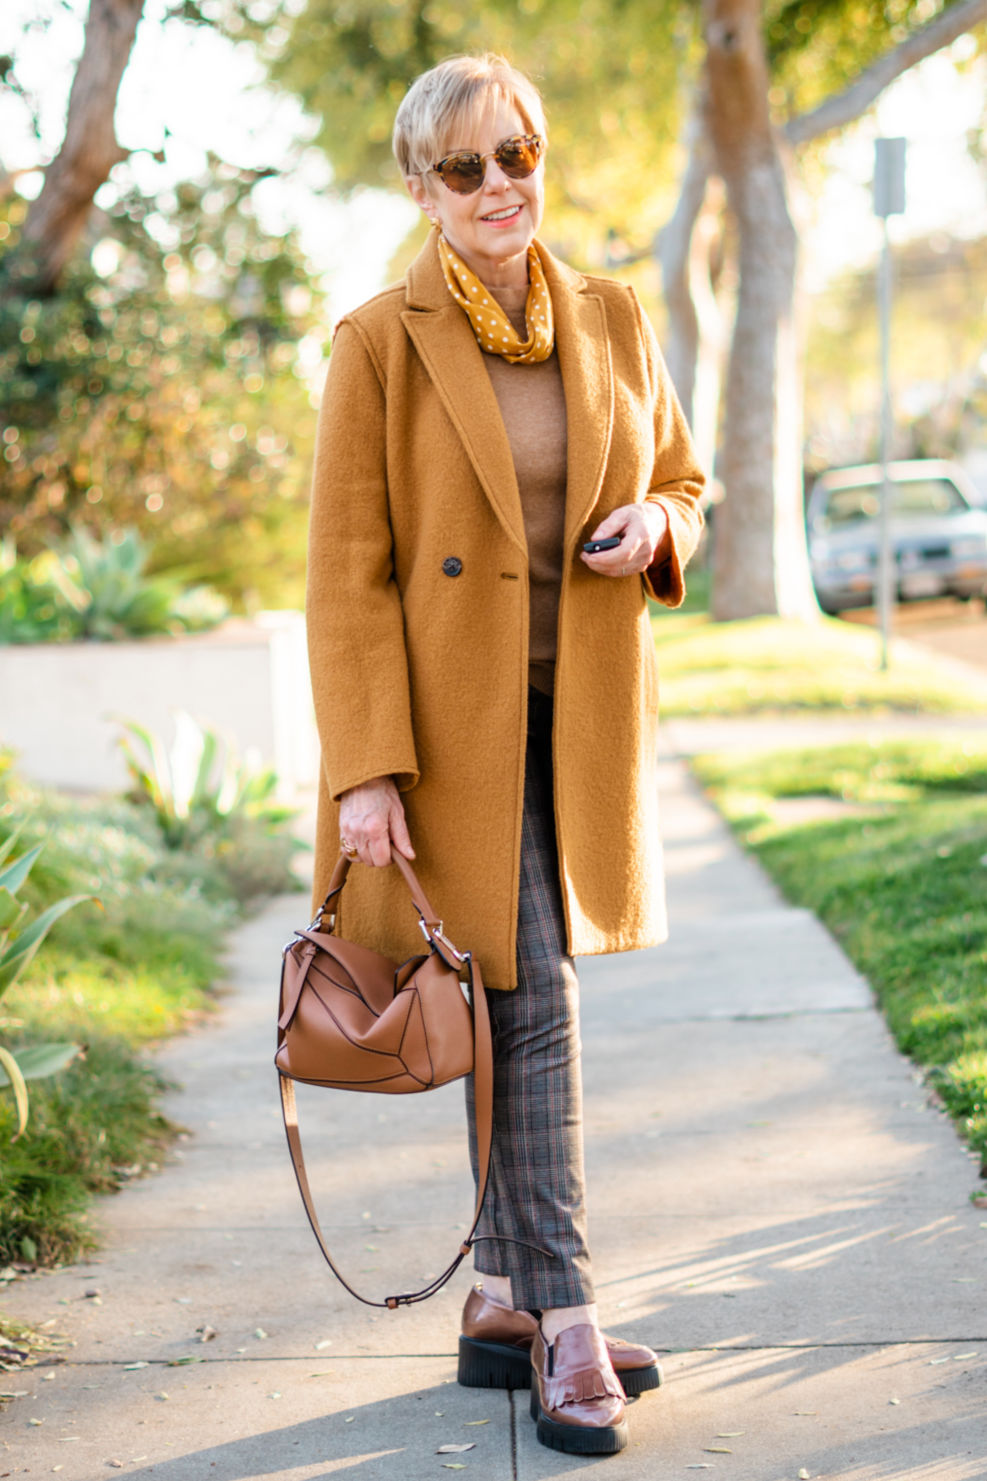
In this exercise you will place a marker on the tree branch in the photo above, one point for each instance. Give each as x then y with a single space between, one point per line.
88 153
854 100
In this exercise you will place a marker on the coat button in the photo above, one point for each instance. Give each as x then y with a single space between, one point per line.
452 565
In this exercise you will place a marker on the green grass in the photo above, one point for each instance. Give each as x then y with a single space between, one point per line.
769 665
901 881
116 978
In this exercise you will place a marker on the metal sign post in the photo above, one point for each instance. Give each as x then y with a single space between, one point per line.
889 200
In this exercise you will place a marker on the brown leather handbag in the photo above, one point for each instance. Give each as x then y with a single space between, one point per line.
351 1019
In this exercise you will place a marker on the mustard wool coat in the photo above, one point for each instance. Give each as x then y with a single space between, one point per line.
418 616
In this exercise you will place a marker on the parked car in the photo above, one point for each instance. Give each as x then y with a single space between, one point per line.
938 534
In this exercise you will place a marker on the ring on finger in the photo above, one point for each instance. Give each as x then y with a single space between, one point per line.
348 848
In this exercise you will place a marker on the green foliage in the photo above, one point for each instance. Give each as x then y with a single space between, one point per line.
31 607
114 979
771 664
208 802
903 885
163 391
97 589
20 940
91 1131
106 584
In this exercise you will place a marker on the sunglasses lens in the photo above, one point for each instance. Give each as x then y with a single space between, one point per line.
518 156
462 173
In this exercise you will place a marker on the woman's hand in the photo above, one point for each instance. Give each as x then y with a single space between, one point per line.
643 528
371 818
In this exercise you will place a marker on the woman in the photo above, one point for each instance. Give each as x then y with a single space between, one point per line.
485 686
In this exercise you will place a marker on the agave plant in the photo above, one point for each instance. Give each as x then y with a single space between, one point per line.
111 594
200 786
19 941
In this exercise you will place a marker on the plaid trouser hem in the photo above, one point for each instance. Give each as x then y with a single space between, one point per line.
537 1192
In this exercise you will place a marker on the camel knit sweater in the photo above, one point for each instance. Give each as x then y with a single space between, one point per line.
532 405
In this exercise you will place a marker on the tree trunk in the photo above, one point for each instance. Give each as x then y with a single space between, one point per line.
695 341
760 563
89 151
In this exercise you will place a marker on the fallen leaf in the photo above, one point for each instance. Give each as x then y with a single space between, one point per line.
35 1421
806 1413
717 1450
161 1396
274 1396
962 1357
894 1401
130 1367
477 1421
934 1362
454 1449
206 1334
259 1333
321 1346
350 1419
116 1464
453 1465
803 1474
729 1434
91 1295
700 1465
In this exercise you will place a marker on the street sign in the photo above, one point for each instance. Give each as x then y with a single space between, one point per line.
889 177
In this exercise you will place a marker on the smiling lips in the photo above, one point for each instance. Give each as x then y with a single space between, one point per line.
506 213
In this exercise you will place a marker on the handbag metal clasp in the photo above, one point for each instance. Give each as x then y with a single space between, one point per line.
438 930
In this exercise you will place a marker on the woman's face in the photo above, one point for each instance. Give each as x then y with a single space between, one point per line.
492 228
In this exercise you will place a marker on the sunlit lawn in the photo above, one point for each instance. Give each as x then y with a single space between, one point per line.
901 881
768 665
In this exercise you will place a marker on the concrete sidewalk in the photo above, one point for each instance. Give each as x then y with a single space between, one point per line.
774 1205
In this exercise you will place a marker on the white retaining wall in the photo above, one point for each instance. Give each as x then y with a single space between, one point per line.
247 679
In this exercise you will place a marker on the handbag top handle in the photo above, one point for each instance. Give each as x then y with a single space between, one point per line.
431 925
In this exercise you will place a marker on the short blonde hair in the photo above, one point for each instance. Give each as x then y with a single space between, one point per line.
442 100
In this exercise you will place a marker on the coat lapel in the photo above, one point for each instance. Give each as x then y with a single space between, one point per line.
583 347
445 342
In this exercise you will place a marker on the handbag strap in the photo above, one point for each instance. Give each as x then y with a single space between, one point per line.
483 1103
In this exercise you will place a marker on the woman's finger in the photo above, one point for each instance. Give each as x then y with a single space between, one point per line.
400 836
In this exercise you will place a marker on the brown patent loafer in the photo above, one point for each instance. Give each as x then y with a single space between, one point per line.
495 1349
576 1398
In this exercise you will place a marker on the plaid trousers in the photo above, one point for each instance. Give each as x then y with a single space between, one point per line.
533 1227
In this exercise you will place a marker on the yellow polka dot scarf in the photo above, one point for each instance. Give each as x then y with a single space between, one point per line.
495 333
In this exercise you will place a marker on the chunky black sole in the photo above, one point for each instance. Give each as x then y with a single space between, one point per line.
574 1440
498 1365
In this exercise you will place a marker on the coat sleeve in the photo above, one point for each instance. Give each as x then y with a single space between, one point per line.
676 480
355 621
